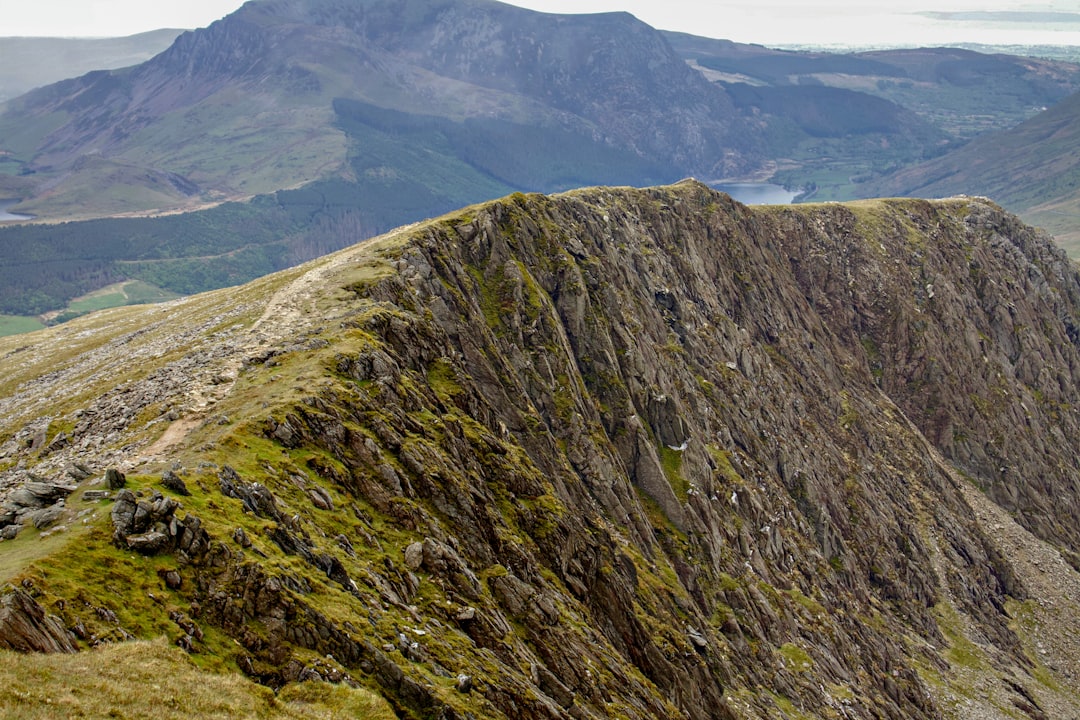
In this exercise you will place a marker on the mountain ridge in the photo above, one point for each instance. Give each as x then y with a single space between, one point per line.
617 452
279 67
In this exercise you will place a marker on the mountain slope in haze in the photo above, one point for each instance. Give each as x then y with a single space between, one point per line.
961 92
250 105
612 453
371 114
1033 169
958 93
30 62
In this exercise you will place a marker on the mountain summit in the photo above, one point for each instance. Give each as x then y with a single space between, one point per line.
611 453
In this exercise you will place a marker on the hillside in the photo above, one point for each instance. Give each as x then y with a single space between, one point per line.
923 102
279 94
30 62
611 453
960 92
286 130
1033 169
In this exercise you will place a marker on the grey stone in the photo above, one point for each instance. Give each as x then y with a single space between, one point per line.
26 627
320 498
115 479
174 482
46 516
414 556
696 639
147 543
36 494
240 538
123 512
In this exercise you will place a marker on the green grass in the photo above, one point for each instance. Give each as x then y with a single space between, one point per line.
138 292
961 651
795 658
671 462
17 324
97 301
31 546
134 292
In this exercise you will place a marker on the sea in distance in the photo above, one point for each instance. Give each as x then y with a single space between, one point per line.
5 216
756 193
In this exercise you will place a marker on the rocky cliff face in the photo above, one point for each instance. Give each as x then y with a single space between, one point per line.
614 453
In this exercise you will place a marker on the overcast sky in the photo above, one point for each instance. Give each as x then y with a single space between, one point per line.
773 22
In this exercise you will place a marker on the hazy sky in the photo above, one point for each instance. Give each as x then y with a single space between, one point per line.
775 22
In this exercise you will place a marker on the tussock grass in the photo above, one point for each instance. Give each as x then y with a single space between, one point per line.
151 679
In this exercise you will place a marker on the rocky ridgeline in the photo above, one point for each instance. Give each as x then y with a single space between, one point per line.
189 367
632 453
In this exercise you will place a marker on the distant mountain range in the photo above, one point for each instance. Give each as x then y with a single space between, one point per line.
30 62
457 99
346 119
960 93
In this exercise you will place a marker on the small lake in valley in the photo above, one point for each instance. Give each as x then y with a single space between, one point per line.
752 193
5 215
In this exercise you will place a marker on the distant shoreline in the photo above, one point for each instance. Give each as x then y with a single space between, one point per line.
5 216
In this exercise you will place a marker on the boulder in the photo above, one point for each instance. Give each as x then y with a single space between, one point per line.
256 498
115 479
78 471
45 517
148 543
175 483
414 556
320 498
36 494
26 627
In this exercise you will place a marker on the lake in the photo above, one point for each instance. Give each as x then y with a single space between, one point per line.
5 215
750 193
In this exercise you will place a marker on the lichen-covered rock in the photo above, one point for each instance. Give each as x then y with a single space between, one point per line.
45 517
151 526
36 494
256 498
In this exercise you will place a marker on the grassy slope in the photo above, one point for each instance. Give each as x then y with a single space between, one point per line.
16 324
150 679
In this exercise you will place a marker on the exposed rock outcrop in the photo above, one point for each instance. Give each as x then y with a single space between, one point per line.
640 453
151 526
26 627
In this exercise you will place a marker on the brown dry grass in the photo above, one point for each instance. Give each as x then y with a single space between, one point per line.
155 681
